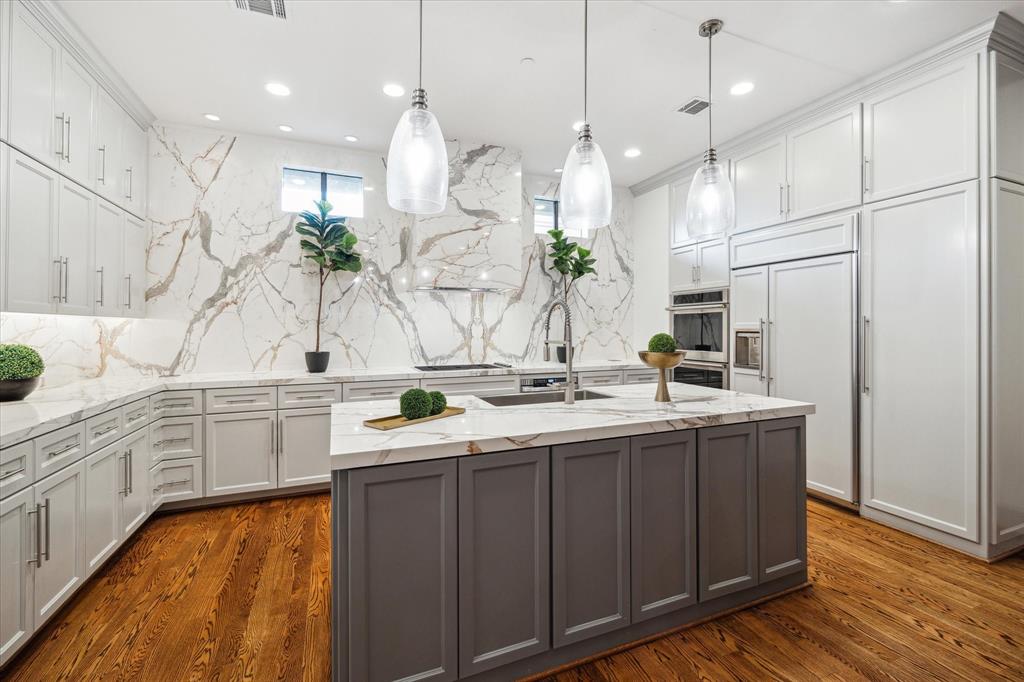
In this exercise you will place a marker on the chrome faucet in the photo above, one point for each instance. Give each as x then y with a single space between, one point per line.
570 384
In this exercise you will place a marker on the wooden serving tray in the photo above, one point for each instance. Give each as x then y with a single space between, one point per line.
397 421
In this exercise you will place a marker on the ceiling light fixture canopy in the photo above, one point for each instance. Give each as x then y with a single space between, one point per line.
417 174
710 204
585 192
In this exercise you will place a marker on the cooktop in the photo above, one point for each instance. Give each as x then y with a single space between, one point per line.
444 368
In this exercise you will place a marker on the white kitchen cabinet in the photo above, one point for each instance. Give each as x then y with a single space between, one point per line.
176 479
135 498
747 381
19 520
77 91
823 164
136 241
311 395
136 160
639 376
60 500
135 415
102 430
176 403
33 126
485 385
920 389
57 449
17 467
74 242
108 259
247 399
176 438
600 378
759 183
701 265
105 480
682 268
1006 88
748 298
922 132
31 239
304 446
805 239
108 170
676 210
377 390
240 452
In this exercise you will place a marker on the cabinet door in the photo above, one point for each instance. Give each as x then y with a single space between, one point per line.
108 247
75 104
135 499
682 268
106 478
663 516
677 195
304 446
759 178
713 264
919 269
18 532
747 381
240 452
31 220
61 570
74 246
136 242
922 132
504 558
590 539
727 514
824 165
748 298
175 438
781 498
34 126
108 171
176 479
136 159
403 611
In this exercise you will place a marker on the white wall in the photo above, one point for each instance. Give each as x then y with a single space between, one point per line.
650 254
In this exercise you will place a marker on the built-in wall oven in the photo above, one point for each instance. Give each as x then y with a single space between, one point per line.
700 325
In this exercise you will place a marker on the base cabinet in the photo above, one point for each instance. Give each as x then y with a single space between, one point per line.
304 446
240 452
135 496
18 552
60 504
105 481
781 498
176 479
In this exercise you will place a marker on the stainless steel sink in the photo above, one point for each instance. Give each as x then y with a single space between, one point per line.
540 398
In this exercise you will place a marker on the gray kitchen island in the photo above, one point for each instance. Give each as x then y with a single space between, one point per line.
511 540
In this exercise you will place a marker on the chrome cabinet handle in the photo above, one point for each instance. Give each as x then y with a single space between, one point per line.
128 288
382 393
280 439
760 364
103 164
864 174
60 152
241 401
66 448
124 473
166 484
700 274
174 406
129 195
165 441
130 456
789 201
780 198
46 553
13 472
67 269
100 273
770 370
59 262
38 559
273 437
67 148
105 431
865 386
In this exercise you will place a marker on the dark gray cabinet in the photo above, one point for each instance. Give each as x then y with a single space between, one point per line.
727 516
590 539
663 521
504 558
781 497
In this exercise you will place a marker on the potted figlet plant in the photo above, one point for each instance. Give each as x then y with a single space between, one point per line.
572 262
20 369
327 241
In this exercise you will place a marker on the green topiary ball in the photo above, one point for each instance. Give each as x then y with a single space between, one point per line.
661 343
415 404
19 362
437 402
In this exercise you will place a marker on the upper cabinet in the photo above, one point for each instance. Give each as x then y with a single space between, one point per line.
922 132
759 181
135 155
1007 123
34 125
108 177
75 107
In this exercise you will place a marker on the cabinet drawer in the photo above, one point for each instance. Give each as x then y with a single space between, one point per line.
377 390
219 400
639 376
312 395
177 479
176 438
102 430
473 385
135 415
59 448
822 237
600 378
17 468
176 404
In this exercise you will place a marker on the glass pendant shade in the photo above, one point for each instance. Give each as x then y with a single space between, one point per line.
417 175
585 193
711 204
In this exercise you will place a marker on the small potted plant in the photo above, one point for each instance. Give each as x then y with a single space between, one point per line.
572 261
662 355
20 368
328 242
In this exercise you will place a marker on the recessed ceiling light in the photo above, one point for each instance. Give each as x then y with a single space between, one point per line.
351 138
393 90
577 125
211 117
741 88
279 89
285 128
526 61
519 174
631 153
558 170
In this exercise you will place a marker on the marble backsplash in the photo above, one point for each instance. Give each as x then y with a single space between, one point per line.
229 291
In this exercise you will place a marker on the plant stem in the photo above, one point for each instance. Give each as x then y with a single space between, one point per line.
319 307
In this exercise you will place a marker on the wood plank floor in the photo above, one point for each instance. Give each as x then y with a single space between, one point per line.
243 593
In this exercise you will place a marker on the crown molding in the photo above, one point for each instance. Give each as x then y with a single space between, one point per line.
1007 37
82 49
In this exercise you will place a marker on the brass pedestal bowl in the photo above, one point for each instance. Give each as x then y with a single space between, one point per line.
662 362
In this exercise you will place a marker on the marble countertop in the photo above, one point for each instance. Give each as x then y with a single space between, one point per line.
51 408
630 411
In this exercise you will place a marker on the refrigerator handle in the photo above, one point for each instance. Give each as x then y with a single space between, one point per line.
764 346
865 387
768 354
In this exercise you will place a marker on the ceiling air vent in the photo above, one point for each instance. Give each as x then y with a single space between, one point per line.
272 8
694 106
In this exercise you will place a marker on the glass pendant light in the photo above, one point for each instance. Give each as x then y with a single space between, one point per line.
711 204
417 173
585 193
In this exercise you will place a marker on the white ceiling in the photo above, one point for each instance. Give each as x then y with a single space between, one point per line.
188 58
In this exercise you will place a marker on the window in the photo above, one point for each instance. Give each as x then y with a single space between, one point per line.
547 217
300 188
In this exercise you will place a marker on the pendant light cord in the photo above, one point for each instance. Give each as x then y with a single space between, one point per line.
421 46
709 89
585 55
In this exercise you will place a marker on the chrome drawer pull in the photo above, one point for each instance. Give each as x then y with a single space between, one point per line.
174 406
172 440
7 475
166 484
54 453
105 431
241 401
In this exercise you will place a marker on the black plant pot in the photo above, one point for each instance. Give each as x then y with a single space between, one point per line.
16 389
316 361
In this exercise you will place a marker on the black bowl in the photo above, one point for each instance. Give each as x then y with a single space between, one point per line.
17 389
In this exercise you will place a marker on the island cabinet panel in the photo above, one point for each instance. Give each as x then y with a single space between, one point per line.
727 514
590 539
663 518
504 558
781 498
402 583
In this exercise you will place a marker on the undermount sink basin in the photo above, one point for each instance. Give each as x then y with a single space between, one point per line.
539 398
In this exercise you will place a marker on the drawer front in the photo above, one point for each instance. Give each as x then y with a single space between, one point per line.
220 400
640 376
135 415
178 479
473 385
377 390
57 449
176 404
17 468
176 438
102 430
600 378
313 395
